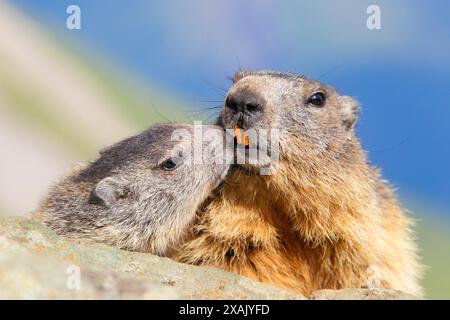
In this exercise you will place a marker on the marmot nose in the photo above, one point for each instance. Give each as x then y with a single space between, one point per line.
243 105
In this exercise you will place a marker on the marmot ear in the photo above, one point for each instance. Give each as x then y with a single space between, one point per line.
239 75
350 111
110 190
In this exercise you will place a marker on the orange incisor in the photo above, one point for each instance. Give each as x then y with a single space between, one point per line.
241 137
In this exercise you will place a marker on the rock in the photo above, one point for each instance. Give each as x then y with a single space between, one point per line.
26 276
35 263
361 294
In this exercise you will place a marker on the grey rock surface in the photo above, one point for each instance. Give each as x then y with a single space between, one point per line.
35 263
361 294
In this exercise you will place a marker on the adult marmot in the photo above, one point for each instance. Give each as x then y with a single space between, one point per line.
325 218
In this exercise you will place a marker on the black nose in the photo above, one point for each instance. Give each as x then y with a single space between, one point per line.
246 103
243 109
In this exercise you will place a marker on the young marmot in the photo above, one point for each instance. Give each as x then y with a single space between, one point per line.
325 218
141 194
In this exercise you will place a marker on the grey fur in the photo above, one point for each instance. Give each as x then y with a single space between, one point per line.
125 199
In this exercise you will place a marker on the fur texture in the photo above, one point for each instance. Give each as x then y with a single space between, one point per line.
325 219
126 198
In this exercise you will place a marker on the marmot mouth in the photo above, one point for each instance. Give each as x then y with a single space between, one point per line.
243 150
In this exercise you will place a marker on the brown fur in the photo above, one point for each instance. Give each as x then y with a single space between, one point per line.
325 219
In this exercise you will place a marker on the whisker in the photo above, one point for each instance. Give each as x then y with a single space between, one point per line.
328 72
222 94
186 114
205 101
238 59
213 115
204 113
159 114
208 108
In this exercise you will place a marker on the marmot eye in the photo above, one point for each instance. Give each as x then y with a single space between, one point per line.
317 99
170 164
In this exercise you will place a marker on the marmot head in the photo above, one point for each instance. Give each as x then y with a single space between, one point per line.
311 117
142 193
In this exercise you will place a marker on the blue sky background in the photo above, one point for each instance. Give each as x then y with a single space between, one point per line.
400 74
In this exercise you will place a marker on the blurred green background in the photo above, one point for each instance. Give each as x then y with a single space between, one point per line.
61 101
